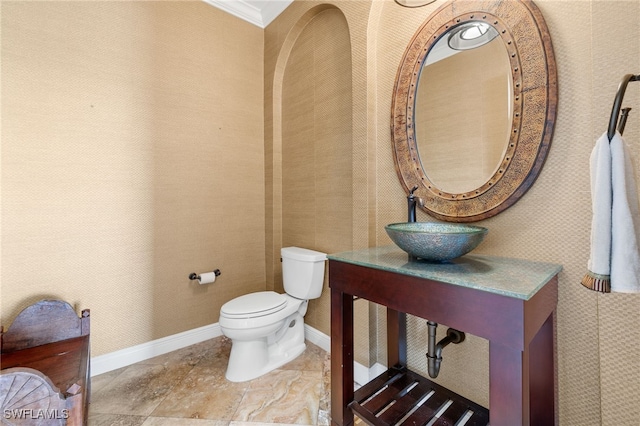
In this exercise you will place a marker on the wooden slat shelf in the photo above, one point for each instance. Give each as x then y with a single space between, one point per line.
401 397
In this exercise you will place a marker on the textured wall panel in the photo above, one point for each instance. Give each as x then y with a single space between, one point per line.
132 155
618 314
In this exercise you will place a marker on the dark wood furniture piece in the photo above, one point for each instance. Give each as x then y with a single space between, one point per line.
509 302
44 356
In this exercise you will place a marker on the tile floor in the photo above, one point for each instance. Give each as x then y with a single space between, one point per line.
188 387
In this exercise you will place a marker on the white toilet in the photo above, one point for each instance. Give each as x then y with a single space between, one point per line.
267 328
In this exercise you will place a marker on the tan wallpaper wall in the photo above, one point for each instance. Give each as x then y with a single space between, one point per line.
618 316
132 155
597 335
142 141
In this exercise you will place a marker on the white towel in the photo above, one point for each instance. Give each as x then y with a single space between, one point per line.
599 265
614 262
625 253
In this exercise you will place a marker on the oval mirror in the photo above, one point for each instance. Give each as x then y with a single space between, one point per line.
474 107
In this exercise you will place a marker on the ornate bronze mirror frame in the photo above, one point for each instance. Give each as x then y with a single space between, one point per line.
524 33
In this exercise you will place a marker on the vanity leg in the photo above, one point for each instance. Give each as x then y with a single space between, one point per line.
521 384
396 338
542 375
508 386
341 358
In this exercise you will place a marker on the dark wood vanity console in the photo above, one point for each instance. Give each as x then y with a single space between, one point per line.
509 302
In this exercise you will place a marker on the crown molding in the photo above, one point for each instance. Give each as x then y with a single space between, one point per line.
256 12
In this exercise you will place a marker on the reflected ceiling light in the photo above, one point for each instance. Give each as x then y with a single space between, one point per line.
414 3
471 35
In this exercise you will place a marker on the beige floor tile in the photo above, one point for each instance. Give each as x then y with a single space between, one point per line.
101 419
282 396
176 421
101 381
215 353
187 387
312 359
324 405
204 394
258 424
138 389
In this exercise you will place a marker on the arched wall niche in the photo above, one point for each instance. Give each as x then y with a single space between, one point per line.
312 143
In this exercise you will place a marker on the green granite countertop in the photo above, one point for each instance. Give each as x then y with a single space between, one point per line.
501 275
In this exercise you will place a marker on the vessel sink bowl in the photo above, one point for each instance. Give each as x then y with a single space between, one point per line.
436 242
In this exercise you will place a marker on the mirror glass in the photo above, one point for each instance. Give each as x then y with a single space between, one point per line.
463 118
473 108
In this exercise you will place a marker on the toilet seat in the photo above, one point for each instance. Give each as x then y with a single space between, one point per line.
254 305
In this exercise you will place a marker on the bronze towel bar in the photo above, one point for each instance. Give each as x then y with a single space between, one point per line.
617 103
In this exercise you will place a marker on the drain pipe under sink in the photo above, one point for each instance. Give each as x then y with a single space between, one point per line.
434 351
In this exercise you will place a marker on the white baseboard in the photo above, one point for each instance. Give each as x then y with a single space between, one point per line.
125 357
376 369
361 373
317 337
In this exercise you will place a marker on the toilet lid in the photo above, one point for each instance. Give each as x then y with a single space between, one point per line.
254 304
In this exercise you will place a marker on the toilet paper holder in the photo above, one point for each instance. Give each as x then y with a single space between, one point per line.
194 276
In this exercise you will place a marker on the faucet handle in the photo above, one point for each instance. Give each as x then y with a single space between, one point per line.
411 205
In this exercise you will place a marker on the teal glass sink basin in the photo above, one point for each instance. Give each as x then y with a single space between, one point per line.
436 242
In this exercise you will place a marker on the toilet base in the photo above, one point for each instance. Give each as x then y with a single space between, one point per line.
253 358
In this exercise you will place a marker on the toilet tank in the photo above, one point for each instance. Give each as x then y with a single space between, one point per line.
302 272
